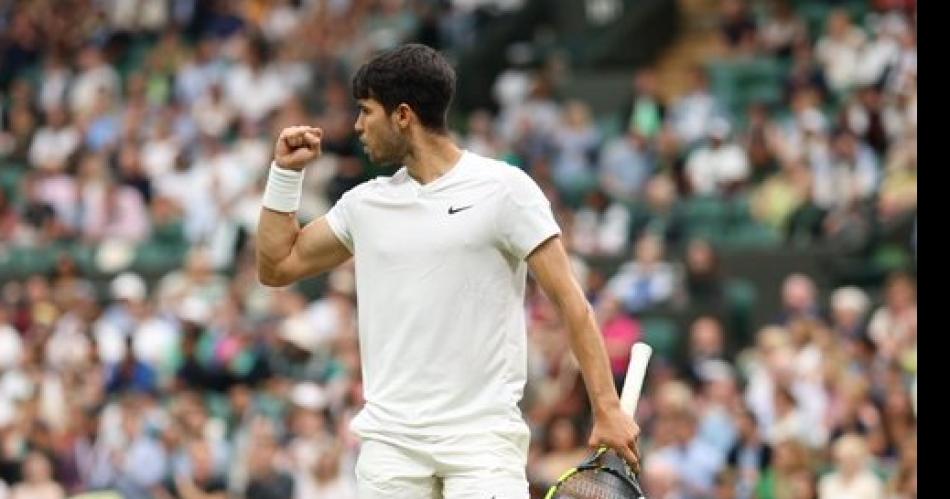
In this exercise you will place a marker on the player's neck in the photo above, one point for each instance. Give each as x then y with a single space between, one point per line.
431 156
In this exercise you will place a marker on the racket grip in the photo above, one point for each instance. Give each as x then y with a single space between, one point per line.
636 370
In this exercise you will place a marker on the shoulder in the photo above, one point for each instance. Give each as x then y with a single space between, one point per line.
508 179
380 184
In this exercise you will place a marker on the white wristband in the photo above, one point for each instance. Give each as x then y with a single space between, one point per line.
283 190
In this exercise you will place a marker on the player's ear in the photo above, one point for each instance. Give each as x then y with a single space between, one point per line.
402 116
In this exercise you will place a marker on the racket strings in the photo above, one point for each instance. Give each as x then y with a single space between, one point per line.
595 484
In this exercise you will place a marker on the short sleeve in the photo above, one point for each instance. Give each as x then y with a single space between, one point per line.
525 219
341 221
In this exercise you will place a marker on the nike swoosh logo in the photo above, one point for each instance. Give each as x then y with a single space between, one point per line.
453 211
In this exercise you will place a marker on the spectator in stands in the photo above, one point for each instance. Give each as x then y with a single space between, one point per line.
329 481
576 141
704 285
893 327
648 280
267 481
852 476
130 373
696 461
201 481
660 215
693 113
779 200
738 28
799 299
839 50
783 30
626 163
620 332
253 87
564 448
718 396
601 227
132 463
849 308
55 142
38 480
96 77
750 456
898 193
110 210
789 473
644 113
720 167
707 342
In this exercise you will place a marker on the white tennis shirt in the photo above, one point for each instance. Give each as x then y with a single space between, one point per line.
440 280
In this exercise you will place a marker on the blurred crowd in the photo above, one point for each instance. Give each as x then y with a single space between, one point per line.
133 122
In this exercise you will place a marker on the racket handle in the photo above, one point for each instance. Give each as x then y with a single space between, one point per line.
636 370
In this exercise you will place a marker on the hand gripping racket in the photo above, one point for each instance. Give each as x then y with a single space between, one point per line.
605 475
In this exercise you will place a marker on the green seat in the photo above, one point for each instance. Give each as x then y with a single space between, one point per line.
738 83
24 262
706 217
741 298
752 236
663 335
158 259
11 175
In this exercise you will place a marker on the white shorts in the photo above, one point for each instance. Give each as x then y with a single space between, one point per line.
484 466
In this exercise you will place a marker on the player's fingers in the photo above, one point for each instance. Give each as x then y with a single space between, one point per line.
313 140
631 458
292 140
633 447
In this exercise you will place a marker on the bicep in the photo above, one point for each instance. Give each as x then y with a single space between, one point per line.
316 250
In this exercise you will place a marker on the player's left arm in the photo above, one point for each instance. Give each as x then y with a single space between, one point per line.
551 268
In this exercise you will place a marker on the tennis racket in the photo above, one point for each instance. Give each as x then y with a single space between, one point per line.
605 475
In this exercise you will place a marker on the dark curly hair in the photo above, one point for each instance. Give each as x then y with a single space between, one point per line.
412 74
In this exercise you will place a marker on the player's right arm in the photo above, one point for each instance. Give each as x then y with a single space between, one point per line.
285 251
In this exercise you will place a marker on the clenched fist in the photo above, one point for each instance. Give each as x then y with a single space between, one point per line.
297 146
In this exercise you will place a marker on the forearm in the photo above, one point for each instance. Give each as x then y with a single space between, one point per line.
591 353
276 234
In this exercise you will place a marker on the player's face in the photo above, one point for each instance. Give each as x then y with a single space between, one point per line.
377 131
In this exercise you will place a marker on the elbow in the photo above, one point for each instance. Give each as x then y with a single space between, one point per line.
271 278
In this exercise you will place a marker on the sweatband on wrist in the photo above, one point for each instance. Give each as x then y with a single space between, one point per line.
283 190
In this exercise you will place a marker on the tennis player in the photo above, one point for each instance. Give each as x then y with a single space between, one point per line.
442 250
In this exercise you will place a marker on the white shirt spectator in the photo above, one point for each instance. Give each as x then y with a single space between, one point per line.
255 93
838 181
213 113
839 52
11 347
52 146
159 155
866 485
601 233
709 168
98 76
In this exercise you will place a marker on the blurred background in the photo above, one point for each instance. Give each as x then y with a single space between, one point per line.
736 181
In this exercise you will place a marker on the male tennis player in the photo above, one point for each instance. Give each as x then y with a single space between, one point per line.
442 248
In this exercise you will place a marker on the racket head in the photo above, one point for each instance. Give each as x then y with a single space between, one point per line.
605 475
